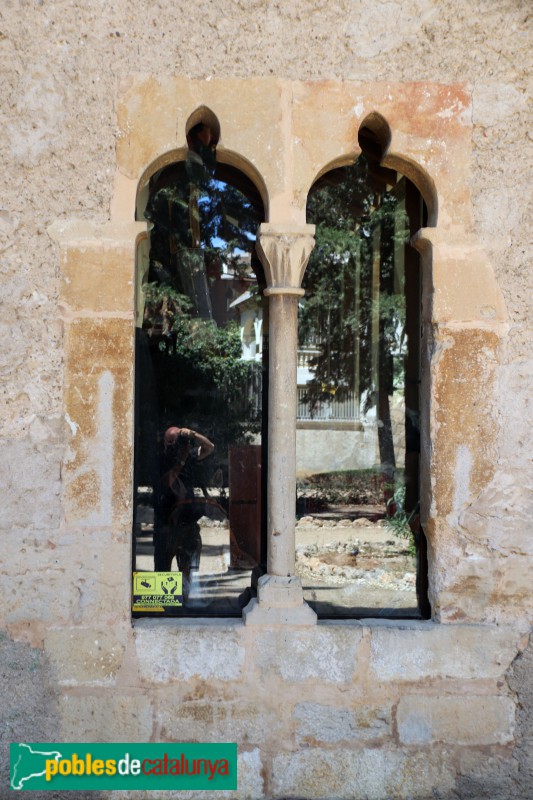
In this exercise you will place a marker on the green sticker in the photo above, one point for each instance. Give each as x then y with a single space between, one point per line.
155 591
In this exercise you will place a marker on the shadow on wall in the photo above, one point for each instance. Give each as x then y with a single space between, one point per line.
30 710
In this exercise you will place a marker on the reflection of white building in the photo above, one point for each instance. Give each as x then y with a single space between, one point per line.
251 325
331 435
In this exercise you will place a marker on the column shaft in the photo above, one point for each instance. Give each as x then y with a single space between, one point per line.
283 252
283 334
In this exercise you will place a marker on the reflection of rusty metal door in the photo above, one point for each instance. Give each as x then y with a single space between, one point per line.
245 505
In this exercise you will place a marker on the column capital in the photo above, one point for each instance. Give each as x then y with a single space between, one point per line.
284 251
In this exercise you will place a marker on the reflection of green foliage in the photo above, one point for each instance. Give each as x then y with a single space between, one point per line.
196 354
397 518
359 230
199 376
163 305
347 215
223 217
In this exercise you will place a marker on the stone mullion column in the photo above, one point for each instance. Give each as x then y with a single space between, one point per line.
284 252
283 338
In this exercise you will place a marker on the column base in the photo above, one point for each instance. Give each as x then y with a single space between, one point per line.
279 601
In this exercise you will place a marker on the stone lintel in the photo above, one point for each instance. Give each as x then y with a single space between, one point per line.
279 601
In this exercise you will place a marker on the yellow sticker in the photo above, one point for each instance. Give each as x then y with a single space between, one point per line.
155 591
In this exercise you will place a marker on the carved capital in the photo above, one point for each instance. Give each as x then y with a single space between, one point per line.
284 252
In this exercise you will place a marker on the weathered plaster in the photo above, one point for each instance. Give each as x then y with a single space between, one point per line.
457 75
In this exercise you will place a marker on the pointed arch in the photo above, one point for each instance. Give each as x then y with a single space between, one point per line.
375 127
361 325
229 163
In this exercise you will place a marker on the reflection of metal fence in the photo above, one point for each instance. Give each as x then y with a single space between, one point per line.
334 409
306 355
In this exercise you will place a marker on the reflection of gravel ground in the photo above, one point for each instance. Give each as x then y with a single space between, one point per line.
394 569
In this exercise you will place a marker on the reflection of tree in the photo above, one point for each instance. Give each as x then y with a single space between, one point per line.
198 222
198 369
354 311
201 227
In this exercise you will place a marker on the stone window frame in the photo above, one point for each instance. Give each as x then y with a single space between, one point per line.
284 136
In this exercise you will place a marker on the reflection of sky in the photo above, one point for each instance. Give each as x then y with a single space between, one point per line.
216 241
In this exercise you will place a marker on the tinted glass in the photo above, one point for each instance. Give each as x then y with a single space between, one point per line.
199 386
358 384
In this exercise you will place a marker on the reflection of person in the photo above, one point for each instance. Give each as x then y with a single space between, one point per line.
177 532
183 448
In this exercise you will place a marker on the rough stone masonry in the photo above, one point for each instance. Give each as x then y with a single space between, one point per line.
95 98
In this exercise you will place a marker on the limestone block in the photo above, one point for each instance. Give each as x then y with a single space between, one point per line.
251 776
325 123
98 278
489 521
413 651
99 400
370 774
470 720
259 722
320 723
488 588
250 784
67 578
30 497
465 288
86 655
109 717
86 233
177 650
248 112
463 425
123 202
100 569
429 124
27 556
326 654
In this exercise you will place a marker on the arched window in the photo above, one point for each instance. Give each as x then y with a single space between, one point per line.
200 397
358 538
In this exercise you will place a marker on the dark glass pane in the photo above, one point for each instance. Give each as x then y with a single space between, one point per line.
358 384
199 386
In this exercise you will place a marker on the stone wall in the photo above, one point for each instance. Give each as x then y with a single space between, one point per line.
321 447
346 710
437 709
